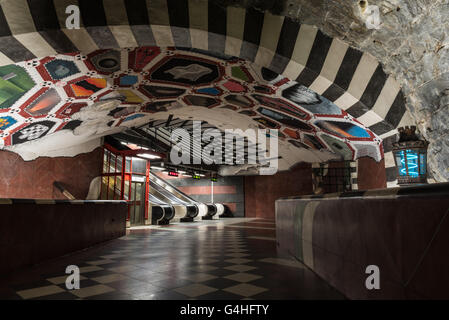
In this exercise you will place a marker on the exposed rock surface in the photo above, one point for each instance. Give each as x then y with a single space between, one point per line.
412 43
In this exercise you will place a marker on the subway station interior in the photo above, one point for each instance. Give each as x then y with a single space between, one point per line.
224 150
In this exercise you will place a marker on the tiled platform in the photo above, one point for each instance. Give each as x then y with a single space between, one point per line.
232 258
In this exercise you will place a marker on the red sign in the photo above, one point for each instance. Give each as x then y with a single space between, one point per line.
173 173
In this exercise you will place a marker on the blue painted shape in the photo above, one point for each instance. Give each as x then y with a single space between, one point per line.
128 80
133 116
6 122
211 91
60 69
358 132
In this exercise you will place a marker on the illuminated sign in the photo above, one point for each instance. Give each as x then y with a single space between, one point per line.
196 177
408 163
213 179
173 173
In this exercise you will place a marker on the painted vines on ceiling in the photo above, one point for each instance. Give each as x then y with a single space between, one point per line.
65 92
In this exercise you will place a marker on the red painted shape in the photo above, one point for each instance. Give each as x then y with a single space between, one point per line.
196 190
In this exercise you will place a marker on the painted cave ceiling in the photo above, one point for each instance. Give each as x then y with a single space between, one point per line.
64 99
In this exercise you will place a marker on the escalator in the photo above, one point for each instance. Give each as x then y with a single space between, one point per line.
182 211
176 197
161 212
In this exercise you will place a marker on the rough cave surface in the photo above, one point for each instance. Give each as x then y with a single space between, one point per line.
412 43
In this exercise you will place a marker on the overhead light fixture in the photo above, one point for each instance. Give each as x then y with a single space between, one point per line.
156 168
149 156
136 159
182 172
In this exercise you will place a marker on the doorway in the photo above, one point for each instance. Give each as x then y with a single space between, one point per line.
137 203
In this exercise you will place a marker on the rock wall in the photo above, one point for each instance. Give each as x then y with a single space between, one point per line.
412 43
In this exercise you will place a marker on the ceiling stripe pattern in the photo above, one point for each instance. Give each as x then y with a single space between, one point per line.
352 80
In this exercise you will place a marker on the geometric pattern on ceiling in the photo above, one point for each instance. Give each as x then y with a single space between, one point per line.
353 80
42 96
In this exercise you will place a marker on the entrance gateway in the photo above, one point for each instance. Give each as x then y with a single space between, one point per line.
125 176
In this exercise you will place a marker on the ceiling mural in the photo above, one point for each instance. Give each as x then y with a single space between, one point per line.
113 89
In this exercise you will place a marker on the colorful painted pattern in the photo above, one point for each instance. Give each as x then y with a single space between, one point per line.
41 96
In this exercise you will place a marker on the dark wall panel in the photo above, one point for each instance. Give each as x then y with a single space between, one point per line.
262 191
31 233
371 174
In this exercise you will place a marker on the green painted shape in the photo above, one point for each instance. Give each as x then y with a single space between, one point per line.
238 73
14 83
297 227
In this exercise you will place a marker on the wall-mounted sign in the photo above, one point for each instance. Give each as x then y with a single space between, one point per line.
138 178
173 173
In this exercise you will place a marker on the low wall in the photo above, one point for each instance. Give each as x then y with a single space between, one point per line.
32 231
403 231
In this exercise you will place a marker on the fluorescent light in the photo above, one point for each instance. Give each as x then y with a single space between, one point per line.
149 156
156 168
181 172
202 175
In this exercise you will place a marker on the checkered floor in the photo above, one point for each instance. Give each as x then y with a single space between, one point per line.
226 259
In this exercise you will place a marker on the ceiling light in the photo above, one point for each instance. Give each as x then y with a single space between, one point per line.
149 156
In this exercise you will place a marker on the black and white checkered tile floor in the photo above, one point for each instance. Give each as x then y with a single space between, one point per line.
227 259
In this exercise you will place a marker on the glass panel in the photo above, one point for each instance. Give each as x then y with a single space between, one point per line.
104 188
105 161
412 163
111 188
118 185
139 165
133 191
138 191
400 161
112 163
126 191
119 164
422 159
128 165
137 212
